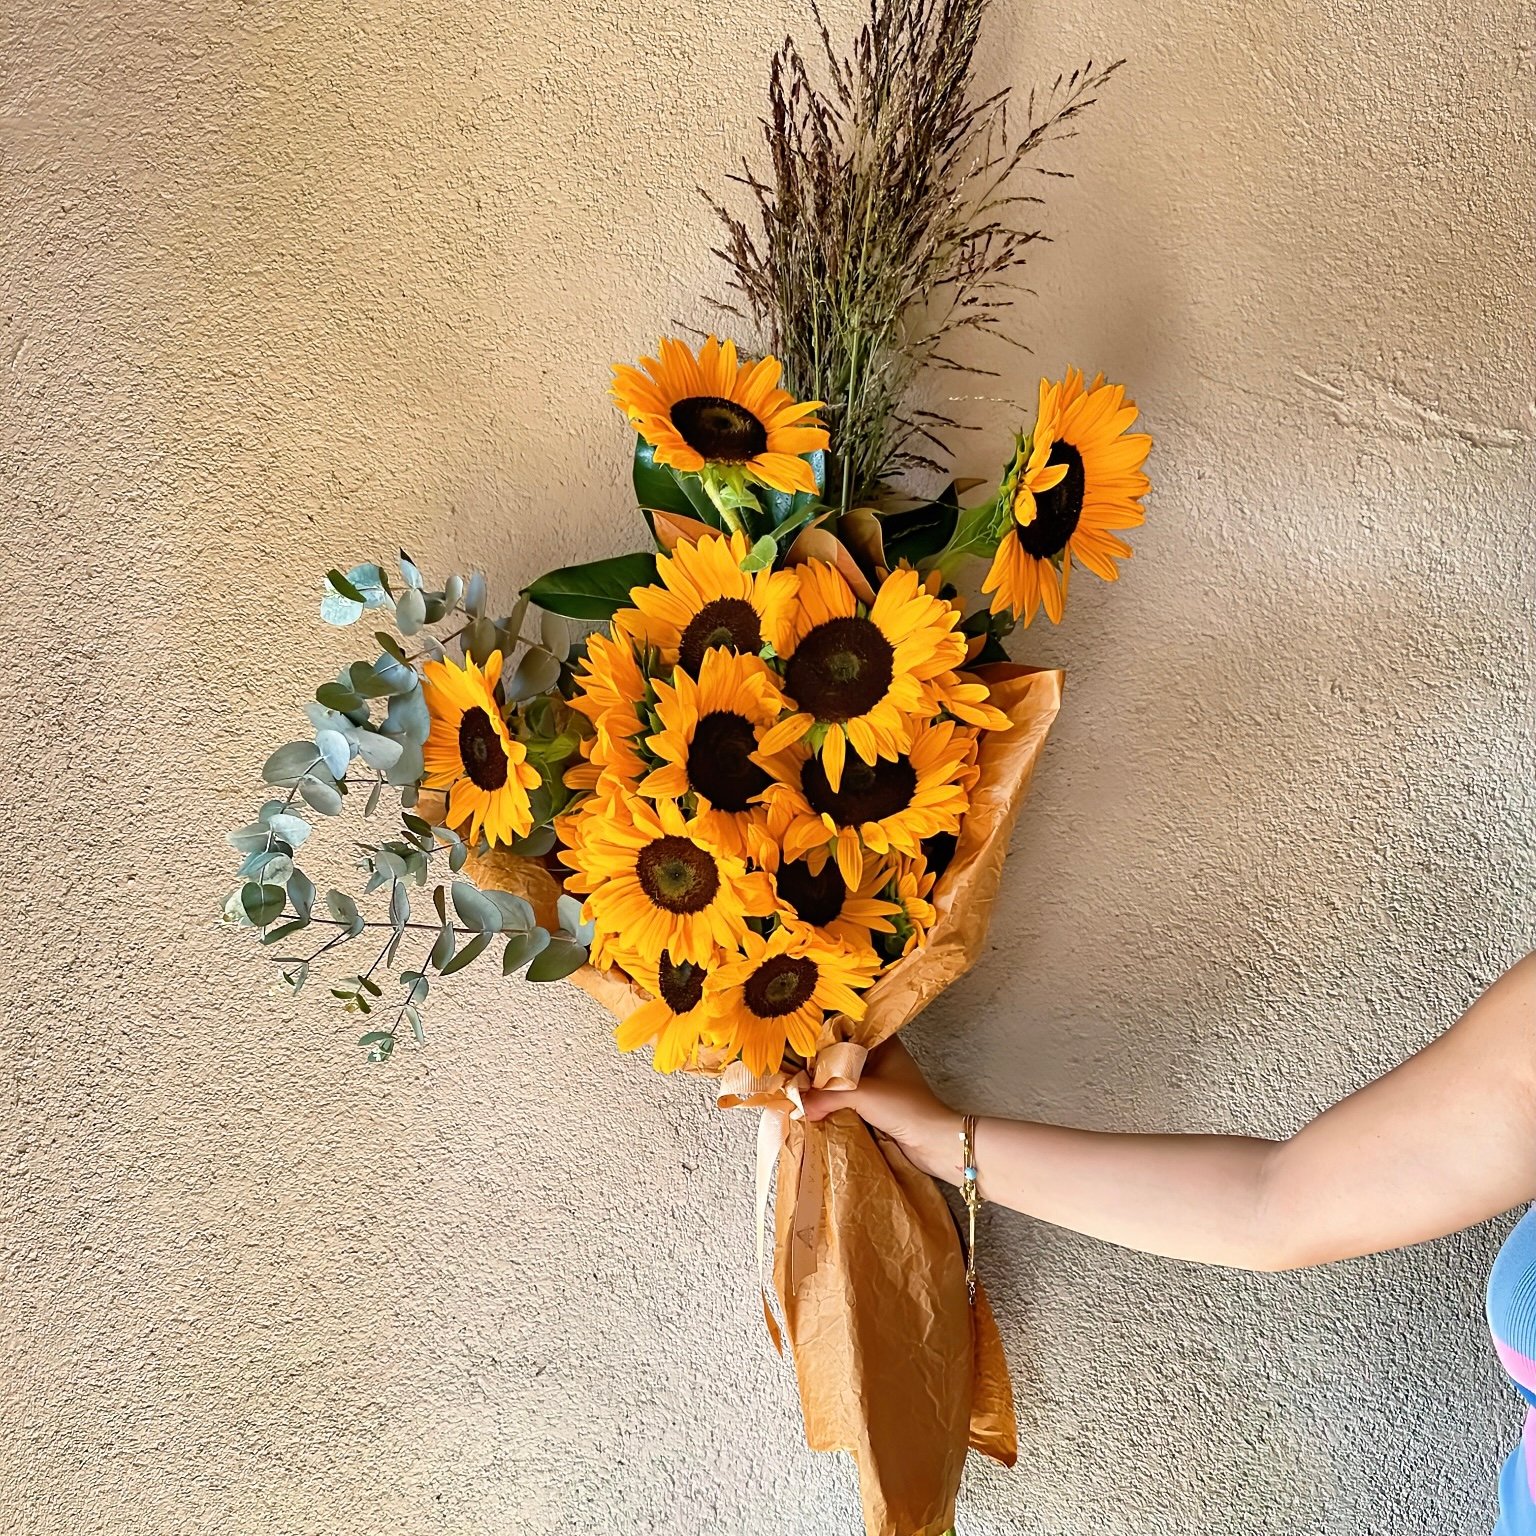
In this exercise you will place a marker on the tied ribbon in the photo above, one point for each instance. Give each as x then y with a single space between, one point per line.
778 1095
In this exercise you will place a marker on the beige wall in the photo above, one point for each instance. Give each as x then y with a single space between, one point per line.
283 284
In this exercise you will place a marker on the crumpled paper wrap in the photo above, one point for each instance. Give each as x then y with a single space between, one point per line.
893 1364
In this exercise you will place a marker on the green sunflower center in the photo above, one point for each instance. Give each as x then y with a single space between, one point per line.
841 669
723 431
481 750
869 791
780 985
677 874
1058 509
731 622
818 899
681 986
720 765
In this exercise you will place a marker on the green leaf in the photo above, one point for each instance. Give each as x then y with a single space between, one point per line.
292 829
556 635
466 956
301 893
522 948
516 913
413 1017
399 906
784 533
335 749
977 532
339 583
761 555
919 533
339 697
474 595
281 932
379 1044
410 611
536 844
594 591
388 644
262 903
781 506
475 908
378 751
658 489
321 796
409 716
410 573
407 769
442 950
458 857
568 908
344 910
557 960
290 763
372 803
537 672
251 838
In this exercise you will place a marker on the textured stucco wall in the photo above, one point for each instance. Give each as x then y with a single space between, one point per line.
282 283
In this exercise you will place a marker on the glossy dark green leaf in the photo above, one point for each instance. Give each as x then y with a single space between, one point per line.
594 591
918 533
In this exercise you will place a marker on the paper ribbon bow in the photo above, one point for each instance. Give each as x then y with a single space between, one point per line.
778 1094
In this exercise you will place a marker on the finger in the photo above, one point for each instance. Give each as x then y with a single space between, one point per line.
821 1102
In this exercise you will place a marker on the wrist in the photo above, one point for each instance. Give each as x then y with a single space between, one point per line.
942 1145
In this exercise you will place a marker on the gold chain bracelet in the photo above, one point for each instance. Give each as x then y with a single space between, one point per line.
972 1201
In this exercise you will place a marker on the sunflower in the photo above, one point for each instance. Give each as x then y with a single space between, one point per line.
889 805
705 600
654 883
1075 480
711 411
708 740
863 678
470 752
611 691
911 888
675 1018
776 994
812 891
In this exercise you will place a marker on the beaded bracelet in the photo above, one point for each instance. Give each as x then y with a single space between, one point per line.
972 1200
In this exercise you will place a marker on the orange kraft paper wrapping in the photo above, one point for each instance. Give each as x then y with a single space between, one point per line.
893 1364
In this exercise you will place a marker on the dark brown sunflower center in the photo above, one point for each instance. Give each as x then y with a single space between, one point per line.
816 898
841 669
731 622
869 792
723 431
780 985
481 751
681 986
1058 509
720 765
938 850
677 874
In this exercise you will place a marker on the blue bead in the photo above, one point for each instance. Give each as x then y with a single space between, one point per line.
970 1175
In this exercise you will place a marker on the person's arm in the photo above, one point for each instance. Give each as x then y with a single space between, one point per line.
1445 1140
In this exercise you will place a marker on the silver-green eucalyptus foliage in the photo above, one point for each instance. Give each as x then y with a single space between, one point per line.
417 920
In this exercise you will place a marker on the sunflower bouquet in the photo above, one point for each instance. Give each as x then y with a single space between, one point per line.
752 788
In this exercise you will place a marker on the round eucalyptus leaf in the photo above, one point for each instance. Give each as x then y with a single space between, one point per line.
517 915
290 763
569 910
263 903
292 829
475 908
379 752
251 838
301 893
537 672
410 611
474 595
556 635
453 592
411 573
335 749
409 716
443 949
480 641
369 584
536 844
321 796
339 697
407 769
